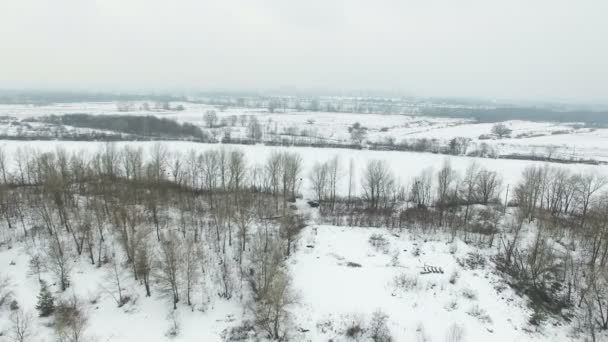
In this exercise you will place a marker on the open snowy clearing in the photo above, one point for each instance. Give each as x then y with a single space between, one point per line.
334 295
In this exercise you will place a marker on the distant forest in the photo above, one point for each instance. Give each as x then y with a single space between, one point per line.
481 111
591 118
147 126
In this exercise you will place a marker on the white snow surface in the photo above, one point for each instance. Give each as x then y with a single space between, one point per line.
331 295
330 291
565 140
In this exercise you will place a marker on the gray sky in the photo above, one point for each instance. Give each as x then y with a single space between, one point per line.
514 49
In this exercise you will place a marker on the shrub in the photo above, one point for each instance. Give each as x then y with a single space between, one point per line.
475 260
354 330
537 318
451 305
70 321
395 258
378 328
469 293
14 305
405 282
454 277
453 248
242 332
379 242
479 313
6 294
174 325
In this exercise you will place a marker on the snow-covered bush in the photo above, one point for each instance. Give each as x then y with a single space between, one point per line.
174 324
21 326
395 258
70 321
453 248
454 277
469 293
243 332
406 282
378 327
6 293
355 329
452 305
479 313
379 242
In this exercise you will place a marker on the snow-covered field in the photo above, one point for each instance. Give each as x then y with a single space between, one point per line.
563 140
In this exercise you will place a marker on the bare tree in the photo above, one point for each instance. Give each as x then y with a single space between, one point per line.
318 178
528 191
446 183
334 174
57 261
21 328
588 185
210 118
271 311
422 188
254 129
351 180
144 260
170 265
237 168
488 185
191 268
291 225
377 177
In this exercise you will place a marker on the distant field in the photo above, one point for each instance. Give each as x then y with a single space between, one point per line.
559 140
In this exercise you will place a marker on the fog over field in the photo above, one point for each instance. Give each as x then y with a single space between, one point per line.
303 171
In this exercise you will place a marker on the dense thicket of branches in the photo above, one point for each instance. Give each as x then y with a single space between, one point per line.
175 222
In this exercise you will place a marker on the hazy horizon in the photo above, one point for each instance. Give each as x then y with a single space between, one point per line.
517 50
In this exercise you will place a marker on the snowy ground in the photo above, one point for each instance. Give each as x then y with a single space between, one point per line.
564 140
142 319
333 295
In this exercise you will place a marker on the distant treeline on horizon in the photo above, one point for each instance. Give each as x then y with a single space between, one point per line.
481 113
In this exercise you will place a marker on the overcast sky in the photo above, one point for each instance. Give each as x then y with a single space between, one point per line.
506 49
